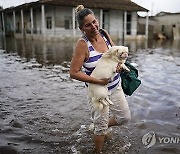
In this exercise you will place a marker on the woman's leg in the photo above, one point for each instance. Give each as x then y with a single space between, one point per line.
120 109
112 122
100 120
98 143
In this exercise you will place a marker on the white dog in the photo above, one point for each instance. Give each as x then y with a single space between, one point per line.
106 68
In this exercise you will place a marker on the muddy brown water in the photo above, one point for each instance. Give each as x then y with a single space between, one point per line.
42 110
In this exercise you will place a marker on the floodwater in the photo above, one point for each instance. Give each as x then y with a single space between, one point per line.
44 111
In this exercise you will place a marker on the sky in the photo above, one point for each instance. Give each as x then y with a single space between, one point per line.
9 3
154 6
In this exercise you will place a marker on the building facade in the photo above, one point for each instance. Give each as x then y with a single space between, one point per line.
55 19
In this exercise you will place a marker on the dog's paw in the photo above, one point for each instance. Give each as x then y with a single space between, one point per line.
109 101
127 70
104 102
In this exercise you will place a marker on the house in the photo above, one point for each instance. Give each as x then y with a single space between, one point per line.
168 24
55 19
164 25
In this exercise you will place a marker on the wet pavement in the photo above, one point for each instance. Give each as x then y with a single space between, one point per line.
42 110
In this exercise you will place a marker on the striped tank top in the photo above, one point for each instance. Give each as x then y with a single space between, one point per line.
94 56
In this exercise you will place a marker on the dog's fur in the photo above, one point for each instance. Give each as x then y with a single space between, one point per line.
106 68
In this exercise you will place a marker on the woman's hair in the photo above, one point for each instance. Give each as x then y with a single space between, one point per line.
82 12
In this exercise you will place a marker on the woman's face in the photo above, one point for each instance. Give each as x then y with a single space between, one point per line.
91 25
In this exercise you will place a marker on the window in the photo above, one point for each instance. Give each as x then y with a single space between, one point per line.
129 23
162 28
68 22
49 22
18 27
105 24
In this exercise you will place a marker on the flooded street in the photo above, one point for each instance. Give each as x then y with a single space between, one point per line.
44 111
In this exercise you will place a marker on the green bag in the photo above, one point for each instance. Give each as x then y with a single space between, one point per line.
130 82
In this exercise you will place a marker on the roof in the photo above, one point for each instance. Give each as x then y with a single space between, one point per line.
123 5
166 13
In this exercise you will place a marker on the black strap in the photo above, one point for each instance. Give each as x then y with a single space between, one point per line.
105 34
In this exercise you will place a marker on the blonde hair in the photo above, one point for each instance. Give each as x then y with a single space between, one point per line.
81 13
79 8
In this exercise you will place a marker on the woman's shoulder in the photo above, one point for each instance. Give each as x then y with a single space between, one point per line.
81 42
81 46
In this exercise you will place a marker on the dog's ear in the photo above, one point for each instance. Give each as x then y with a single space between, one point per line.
114 51
126 48
117 52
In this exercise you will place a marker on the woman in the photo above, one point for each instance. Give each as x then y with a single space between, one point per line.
88 50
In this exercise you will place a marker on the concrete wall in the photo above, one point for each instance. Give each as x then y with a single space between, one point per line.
176 32
116 24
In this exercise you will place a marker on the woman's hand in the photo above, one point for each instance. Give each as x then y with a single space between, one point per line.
104 81
119 68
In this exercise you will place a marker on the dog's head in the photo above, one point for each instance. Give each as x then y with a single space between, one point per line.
118 53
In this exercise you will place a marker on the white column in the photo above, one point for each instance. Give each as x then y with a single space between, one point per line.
22 21
43 20
54 21
147 22
32 21
73 22
14 21
125 23
3 23
101 19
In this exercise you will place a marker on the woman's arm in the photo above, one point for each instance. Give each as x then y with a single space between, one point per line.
81 55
